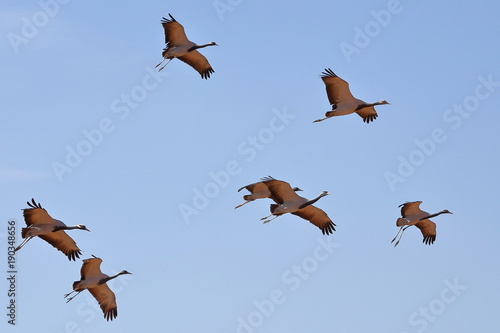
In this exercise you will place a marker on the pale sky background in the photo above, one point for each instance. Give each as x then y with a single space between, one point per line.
70 69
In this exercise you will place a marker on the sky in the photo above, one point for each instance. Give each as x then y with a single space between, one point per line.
151 163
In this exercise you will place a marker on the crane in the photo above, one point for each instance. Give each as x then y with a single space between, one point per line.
40 223
258 190
177 45
411 214
287 201
343 102
94 281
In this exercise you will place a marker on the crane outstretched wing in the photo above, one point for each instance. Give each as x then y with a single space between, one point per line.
196 60
174 32
106 299
63 242
410 208
317 217
336 88
280 191
428 229
36 214
368 114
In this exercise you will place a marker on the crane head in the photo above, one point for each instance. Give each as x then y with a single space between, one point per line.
82 227
124 272
295 189
383 101
446 211
213 43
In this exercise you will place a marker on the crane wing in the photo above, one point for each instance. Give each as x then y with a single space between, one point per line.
428 229
317 217
368 114
64 243
106 299
174 32
410 208
196 60
336 88
36 216
281 191
91 267
255 187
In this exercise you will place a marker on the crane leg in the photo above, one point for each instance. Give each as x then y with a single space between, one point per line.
318 120
169 60
69 299
267 219
161 62
241 204
402 229
23 243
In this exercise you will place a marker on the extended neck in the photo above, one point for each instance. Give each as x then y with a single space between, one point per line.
433 215
367 105
66 227
200 46
310 202
112 277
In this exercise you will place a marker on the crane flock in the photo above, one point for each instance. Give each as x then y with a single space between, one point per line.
286 200
40 223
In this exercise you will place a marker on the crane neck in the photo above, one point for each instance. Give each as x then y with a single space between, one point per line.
192 48
66 227
433 215
310 202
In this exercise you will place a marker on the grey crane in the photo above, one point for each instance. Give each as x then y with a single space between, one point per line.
287 201
177 45
411 214
94 281
41 224
343 102
258 190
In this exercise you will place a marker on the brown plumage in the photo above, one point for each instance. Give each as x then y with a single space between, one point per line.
94 281
287 201
258 190
411 214
41 224
343 102
178 46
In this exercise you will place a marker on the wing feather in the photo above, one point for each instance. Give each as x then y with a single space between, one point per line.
64 243
368 114
196 60
36 216
255 187
410 208
174 32
317 217
336 88
91 267
281 191
106 299
428 229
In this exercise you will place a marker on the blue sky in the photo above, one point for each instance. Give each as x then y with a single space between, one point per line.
151 164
